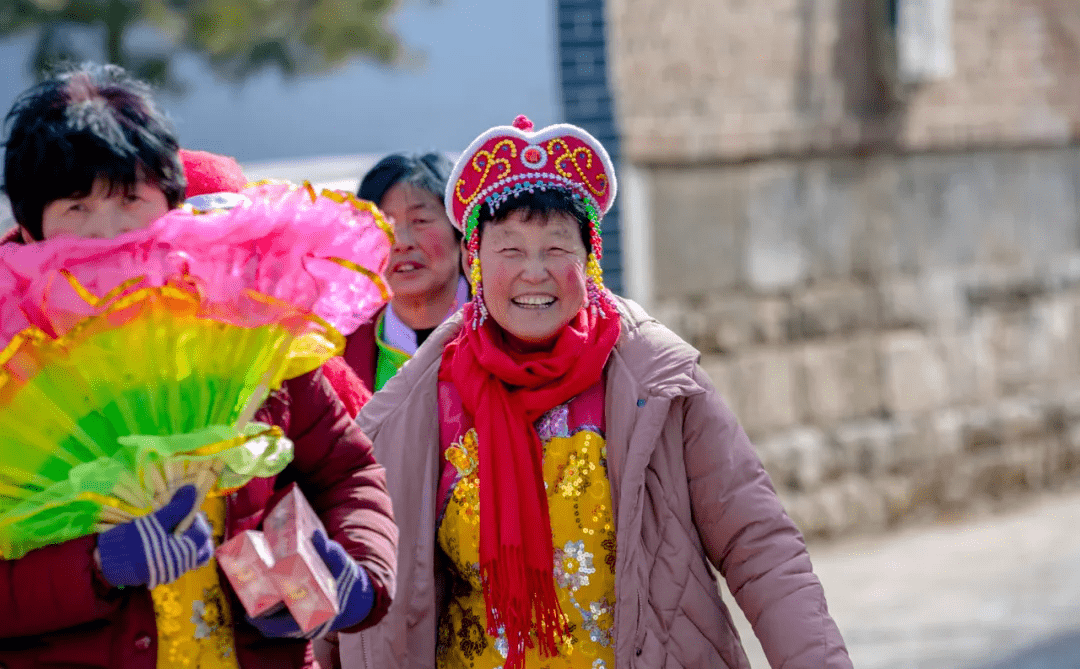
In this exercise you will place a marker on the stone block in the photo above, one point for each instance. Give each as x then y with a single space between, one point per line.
739 321
945 299
970 363
1063 273
1022 418
1072 445
915 380
1058 322
981 429
797 460
899 496
834 516
1028 352
700 221
851 504
903 304
1013 470
952 483
842 380
730 321
670 313
867 447
775 259
828 388
867 506
948 429
770 322
1067 397
836 310
767 393
914 444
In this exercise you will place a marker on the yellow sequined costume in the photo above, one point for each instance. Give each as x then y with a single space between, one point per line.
583 534
194 624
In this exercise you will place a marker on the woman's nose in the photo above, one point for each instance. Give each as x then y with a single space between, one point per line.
402 236
533 269
108 221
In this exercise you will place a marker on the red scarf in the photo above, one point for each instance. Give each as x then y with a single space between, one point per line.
505 393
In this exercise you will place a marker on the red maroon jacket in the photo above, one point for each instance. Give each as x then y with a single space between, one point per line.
56 610
361 352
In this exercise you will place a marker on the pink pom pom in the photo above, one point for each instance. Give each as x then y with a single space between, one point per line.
523 123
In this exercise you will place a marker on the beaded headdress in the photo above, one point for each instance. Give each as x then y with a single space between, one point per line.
506 161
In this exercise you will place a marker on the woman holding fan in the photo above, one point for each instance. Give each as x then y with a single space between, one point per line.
88 155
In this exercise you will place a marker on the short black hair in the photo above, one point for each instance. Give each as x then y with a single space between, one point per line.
83 123
428 171
540 204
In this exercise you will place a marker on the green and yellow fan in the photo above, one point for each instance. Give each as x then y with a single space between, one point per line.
134 366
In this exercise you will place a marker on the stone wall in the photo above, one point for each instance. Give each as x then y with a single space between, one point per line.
898 334
721 80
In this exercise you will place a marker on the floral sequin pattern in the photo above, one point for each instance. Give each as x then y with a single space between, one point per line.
554 423
194 627
573 565
462 455
583 537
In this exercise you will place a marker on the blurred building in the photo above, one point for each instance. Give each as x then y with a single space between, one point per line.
865 214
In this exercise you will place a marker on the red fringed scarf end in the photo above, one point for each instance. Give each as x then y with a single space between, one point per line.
509 608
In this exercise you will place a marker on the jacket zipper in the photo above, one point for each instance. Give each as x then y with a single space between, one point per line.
639 641
364 650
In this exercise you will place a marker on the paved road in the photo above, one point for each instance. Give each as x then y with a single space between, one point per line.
995 592
1059 652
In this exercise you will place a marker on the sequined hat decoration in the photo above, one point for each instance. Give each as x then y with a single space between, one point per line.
506 161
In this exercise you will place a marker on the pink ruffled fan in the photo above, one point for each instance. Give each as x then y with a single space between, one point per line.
133 365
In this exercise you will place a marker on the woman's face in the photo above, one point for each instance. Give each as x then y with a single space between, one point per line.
533 273
105 212
424 260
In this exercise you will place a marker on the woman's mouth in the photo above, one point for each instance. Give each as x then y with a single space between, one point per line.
407 266
533 301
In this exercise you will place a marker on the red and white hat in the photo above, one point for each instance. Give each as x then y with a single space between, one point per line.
507 160
214 181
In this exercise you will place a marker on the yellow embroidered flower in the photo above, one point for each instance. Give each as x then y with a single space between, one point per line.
462 454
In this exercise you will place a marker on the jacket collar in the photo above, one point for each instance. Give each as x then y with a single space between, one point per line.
659 361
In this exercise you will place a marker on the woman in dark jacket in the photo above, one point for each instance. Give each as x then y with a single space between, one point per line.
89 154
425 264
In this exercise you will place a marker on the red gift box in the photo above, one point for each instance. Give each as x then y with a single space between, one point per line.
303 579
246 560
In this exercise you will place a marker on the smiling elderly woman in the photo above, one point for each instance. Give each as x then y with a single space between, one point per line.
562 471
424 271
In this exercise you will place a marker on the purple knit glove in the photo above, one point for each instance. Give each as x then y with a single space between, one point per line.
146 552
355 595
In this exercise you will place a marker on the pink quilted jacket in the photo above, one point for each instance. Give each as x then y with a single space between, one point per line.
688 491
